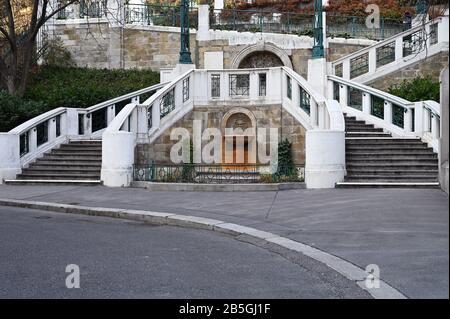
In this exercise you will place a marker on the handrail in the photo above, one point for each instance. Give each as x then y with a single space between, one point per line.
383 42
124 97
317 97
381 94
37 120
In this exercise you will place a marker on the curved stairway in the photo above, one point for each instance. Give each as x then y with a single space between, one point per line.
77 162
376 159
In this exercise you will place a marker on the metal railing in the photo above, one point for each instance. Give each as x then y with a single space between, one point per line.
159 15
217 173
392 113
300 24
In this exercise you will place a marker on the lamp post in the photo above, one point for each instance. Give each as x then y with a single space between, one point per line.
318 51
185 54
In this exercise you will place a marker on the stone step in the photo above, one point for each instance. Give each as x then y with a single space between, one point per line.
386 147
52 182
61 169
363 129
381 178
65 157
387 184
43 162
65 176
388 161
392 164
391 156
86 142
76 153
392 172
80 148
367 134
387 151
382 141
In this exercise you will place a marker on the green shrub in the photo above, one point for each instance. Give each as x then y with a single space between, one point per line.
84 87
52 86
417 89
15 111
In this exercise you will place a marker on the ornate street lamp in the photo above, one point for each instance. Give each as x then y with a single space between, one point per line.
318 51
185 54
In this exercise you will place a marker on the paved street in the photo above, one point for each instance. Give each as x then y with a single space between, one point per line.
122 259
403 231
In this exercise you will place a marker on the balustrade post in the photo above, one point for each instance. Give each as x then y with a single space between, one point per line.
32 139
372 60
313 113
366 103
388 112
156 113
408 121
52 129
418 118
434 126
321 115
253 86
343 94
346 69
110 113
398 48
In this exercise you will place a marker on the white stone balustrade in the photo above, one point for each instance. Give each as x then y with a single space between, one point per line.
441 42
420 119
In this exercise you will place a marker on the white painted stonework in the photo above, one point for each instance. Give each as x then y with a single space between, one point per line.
213 60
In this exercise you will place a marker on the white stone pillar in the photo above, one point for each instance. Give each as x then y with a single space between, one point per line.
71 122
407 121
388 112
156 114
418 119
372 60
325 158
366 103
218 4
51 129
398 48
9 156
443 141
117 158
343 94
346 69
203 23
317 75
110 113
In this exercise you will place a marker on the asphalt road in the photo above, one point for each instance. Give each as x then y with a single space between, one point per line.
123 259
403 231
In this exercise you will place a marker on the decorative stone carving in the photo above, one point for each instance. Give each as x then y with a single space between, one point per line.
260 59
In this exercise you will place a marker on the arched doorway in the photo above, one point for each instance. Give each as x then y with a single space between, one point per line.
239 140
260 59
261 55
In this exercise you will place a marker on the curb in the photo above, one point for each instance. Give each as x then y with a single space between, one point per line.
345 268
199 187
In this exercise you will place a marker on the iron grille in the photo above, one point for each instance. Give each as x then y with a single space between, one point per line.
305 100
377 107
42 133
24 145
386 54
433 33
338 70
262 84
58 125
398 115
359 65
185 89
413 43
239 84
215 85
167 103
150 117
99 119
354 98
336 91
289 87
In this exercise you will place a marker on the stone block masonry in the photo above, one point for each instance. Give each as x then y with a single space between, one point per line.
267 116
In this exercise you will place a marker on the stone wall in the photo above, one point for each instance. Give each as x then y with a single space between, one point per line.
99 45
432 67
267 117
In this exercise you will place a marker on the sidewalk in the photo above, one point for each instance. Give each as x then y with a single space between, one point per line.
403 231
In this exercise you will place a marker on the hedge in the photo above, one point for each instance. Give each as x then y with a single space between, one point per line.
417 89
53 87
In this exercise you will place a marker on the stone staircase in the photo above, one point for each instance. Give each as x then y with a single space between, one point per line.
77 162
376 159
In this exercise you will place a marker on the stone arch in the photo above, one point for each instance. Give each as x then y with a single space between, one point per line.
283 55
234 112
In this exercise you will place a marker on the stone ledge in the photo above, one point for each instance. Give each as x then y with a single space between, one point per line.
197 187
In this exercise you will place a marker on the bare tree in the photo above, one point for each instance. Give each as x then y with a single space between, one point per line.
20 22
